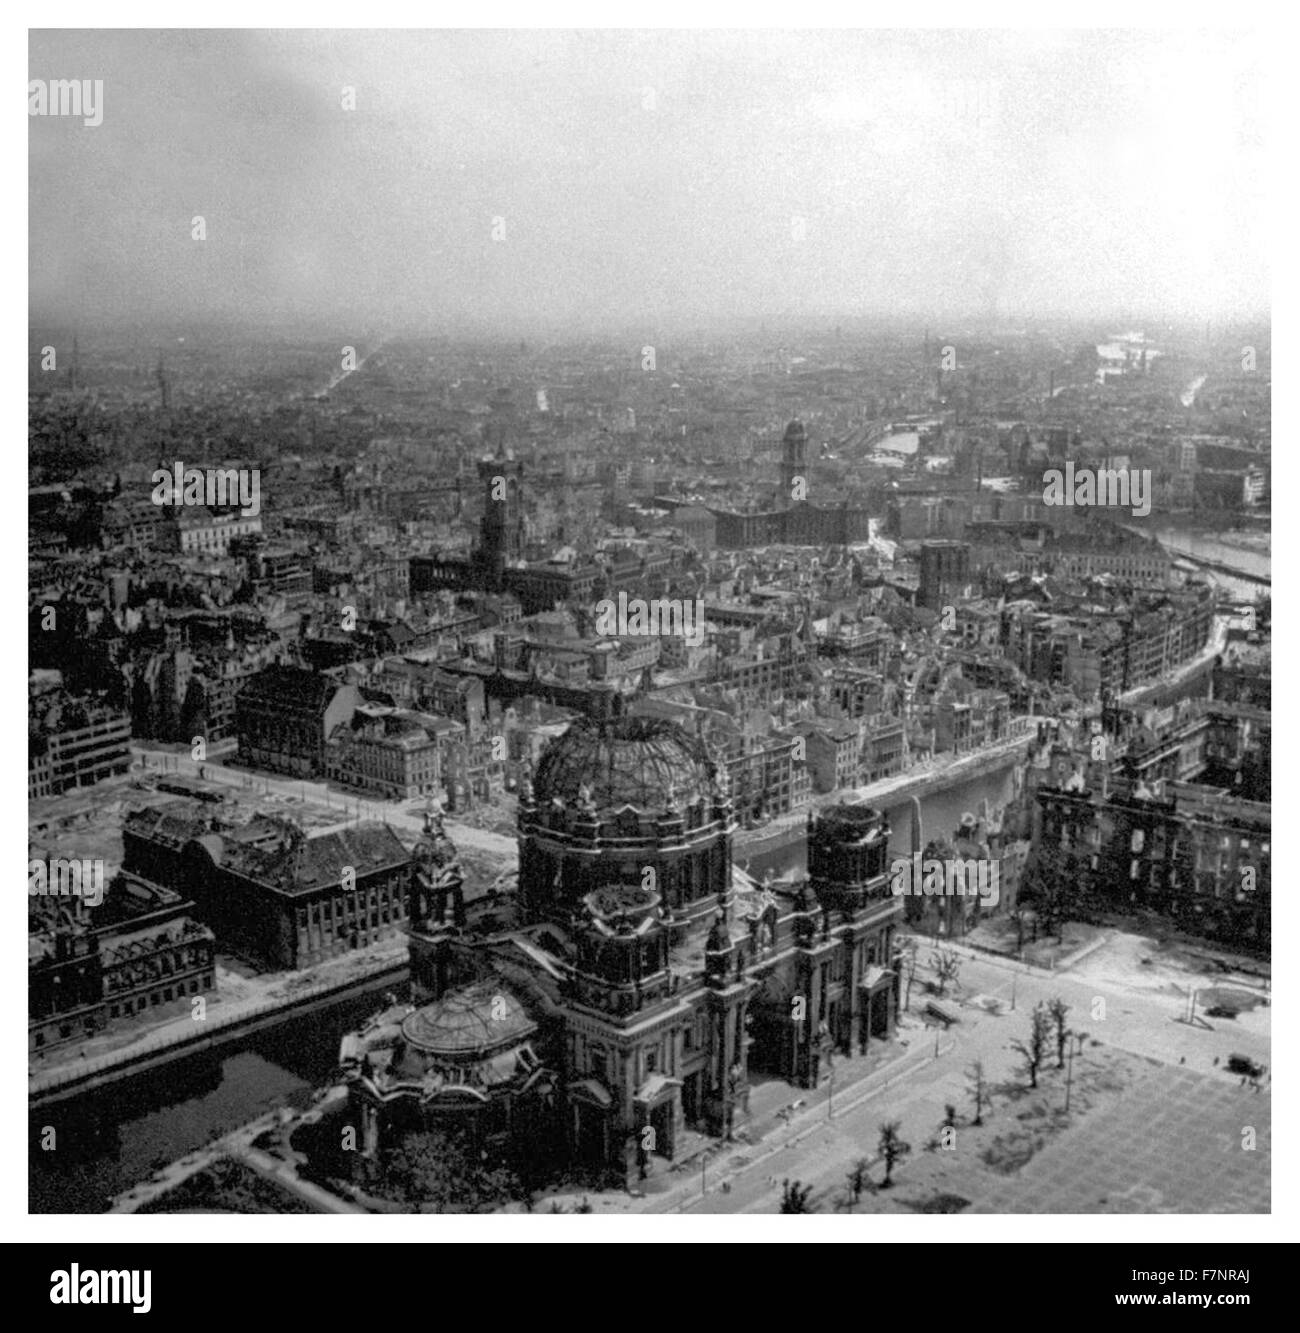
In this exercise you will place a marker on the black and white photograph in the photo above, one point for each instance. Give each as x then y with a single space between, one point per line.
653 622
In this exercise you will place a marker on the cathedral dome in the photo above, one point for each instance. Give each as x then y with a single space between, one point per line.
469 1023
646 763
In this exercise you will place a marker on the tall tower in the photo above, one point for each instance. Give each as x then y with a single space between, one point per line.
164 386
793 463
945 571
849 872
501 530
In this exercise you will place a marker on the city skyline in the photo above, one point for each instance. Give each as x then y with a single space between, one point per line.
650 623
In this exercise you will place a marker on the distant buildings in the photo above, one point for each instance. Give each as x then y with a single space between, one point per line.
698 526
945 573
285 715
497 562
833 754
267 887
1126 558
1193 855
1149 636
393 753
74 742
90 969
793 520
420 684
817 668
198 531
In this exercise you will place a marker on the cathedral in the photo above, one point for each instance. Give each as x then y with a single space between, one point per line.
634 984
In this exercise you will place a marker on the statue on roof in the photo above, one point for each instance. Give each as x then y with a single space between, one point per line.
719 941
435 856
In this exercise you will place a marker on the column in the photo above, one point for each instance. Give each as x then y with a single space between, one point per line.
859 1029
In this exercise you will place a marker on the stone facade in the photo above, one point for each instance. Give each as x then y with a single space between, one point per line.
660 978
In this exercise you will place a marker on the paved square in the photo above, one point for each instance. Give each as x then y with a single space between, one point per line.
1172 1143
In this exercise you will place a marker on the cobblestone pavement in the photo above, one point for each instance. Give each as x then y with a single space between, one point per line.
1172 1144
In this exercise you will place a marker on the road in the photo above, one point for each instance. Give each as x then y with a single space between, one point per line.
406 814
1135 1014
1217 642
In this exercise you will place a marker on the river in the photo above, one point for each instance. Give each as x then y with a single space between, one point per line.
941 814
1209 547
115 1137
1189 394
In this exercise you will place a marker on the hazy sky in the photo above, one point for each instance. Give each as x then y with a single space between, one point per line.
649 176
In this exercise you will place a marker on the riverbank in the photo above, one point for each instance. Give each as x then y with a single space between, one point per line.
1157 692
225 1020
920 778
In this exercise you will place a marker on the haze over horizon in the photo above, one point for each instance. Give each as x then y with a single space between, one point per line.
580 180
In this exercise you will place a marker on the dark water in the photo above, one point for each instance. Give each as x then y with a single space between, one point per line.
110 1139
941 813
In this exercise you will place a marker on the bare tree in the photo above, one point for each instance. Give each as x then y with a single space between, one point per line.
909 971
946 966
978 1089
1058 1010
892 1148
858 1179
1044 885
794 1197
1035 1049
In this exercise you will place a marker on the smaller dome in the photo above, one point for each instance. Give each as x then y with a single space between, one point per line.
469 1023
795 429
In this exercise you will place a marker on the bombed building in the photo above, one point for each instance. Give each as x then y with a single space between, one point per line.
635 980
